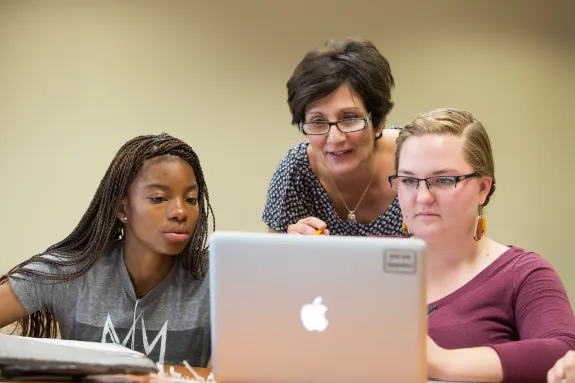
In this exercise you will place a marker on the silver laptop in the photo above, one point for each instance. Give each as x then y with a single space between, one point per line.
317 309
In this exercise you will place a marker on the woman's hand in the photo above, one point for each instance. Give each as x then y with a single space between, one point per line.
308 226
564 369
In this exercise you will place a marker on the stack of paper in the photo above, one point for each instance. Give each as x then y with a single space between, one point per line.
22 357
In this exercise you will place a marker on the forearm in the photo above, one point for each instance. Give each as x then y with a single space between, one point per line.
480 364
528 361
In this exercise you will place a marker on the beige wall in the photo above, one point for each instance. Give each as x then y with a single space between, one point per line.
79 78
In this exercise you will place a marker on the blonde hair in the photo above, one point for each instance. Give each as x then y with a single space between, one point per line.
460 123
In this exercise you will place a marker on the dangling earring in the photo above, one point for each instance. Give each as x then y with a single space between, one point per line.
122 234
480 226
405 229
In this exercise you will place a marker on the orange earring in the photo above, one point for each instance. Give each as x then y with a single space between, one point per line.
405 229
480 226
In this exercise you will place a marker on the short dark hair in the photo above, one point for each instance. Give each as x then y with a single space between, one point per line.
355 61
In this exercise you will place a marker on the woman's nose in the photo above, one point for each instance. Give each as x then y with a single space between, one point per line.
178 210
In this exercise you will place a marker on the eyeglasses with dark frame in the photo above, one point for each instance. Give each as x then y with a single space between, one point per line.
346 125
438 182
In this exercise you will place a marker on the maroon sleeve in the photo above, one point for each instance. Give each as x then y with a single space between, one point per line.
545 322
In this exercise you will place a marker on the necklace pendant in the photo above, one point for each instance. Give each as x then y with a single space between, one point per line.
351 217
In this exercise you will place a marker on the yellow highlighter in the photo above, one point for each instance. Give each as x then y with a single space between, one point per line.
319 232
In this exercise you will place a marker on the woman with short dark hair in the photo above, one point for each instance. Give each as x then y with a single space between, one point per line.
335 181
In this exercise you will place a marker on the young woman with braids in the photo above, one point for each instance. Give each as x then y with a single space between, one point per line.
134 270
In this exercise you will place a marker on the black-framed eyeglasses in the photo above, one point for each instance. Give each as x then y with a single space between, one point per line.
346 125
440 182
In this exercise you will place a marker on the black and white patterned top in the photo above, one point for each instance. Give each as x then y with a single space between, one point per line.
295 192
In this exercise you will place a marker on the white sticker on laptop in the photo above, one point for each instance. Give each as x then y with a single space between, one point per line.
400 262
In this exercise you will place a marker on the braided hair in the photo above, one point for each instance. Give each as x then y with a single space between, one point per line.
99 225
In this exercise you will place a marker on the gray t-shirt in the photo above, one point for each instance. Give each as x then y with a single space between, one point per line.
170 324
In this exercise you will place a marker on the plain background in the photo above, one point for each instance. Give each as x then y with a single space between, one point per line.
79 78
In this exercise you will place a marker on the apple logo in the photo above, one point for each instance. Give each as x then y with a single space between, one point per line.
313 316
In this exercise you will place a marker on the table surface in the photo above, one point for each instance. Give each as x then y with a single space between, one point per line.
203 372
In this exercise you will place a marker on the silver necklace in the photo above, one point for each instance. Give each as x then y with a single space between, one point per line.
351 214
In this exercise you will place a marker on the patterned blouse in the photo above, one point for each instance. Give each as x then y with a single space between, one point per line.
295 192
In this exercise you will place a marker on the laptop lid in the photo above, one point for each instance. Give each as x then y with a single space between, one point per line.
290 308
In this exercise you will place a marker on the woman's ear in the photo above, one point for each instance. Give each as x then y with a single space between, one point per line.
484 188
379 129
121 214
382 124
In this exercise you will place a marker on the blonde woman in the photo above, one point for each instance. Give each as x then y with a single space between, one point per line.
499 313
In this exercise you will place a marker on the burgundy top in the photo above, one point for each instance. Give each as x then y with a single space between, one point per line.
519 307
